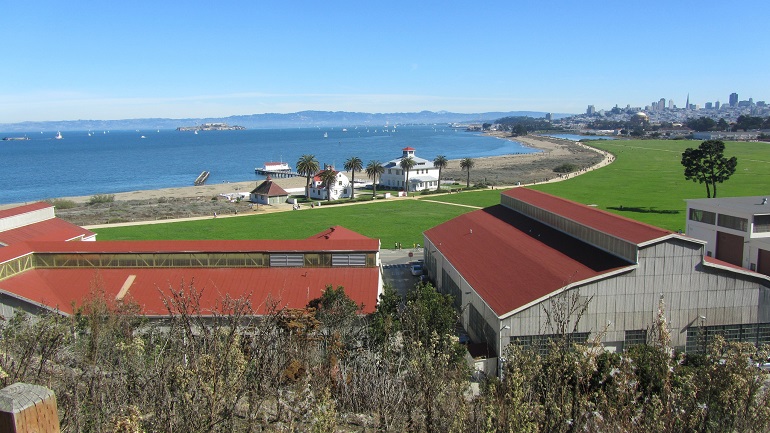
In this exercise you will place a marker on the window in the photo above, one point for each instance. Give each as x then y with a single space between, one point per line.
703 216
635 337
287 260
699 337
541 342
731 222
761 223
349 260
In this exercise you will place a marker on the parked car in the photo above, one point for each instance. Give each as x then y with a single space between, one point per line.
416 269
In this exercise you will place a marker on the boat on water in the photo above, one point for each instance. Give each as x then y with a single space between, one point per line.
16 138
58 135
326 135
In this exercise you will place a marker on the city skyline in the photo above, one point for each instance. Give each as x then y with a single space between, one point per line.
149 59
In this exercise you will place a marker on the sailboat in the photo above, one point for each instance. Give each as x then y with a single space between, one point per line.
58 135
326 135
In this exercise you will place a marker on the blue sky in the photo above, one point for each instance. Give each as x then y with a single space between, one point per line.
118 60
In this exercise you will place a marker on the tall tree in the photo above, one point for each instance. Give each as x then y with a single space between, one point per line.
374 168
328 177
307 166
406 164
467 164
353 164
440 162
707 164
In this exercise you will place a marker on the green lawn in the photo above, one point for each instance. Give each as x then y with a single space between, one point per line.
647 179
390 221
645 183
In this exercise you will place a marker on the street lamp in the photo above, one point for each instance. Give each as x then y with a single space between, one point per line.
500 351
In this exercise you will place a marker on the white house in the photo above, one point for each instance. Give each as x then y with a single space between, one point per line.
341 188
422 176
736 230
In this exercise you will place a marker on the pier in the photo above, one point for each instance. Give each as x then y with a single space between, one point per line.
202 178
275 173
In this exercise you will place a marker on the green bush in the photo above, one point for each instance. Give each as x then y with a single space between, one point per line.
62 204
567 167
101 198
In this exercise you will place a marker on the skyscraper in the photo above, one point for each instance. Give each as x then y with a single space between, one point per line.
687 105
590 110
662 104
733 99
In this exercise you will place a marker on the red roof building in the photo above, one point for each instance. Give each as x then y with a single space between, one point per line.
37 221
272 274
511 266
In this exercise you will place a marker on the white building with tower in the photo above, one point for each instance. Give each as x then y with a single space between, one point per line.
421 177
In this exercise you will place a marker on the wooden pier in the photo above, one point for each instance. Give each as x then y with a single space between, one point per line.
202 178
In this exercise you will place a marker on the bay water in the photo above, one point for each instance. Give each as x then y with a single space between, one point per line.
85 163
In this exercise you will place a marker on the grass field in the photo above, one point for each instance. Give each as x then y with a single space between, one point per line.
390 221
645 183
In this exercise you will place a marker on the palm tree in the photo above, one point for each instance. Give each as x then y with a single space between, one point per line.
440 162
352 165
328 177
406 164
467 164
307 166
374 168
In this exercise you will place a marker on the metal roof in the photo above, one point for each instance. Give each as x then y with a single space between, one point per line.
612 224
511 260
61 289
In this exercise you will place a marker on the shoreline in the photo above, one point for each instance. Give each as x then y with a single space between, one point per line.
548 147
206 201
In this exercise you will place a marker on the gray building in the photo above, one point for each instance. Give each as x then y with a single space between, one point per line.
515 267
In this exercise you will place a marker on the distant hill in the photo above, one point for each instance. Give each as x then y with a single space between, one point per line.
274 120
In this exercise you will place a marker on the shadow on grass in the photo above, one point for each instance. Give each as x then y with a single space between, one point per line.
643 210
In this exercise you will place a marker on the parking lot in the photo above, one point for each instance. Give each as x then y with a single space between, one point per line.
397 272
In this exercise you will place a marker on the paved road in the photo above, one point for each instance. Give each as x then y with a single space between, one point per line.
397 271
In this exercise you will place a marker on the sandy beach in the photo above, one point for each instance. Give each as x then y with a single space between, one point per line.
205 200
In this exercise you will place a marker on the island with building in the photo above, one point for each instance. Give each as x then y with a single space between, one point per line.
211 127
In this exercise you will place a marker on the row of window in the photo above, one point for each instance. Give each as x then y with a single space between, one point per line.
699 337
398 172
761 222
205 260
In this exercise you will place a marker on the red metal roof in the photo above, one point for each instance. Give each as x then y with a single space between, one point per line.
287 287
511 260
408 148
54 229
208 246
338 233
19 210
270 189
615 225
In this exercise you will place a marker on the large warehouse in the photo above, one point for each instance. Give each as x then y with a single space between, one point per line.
41 271
507 265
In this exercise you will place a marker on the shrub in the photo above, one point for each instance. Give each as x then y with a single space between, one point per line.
567 167
62 204
101 198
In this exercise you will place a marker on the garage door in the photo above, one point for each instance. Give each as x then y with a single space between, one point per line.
763 262
730 248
